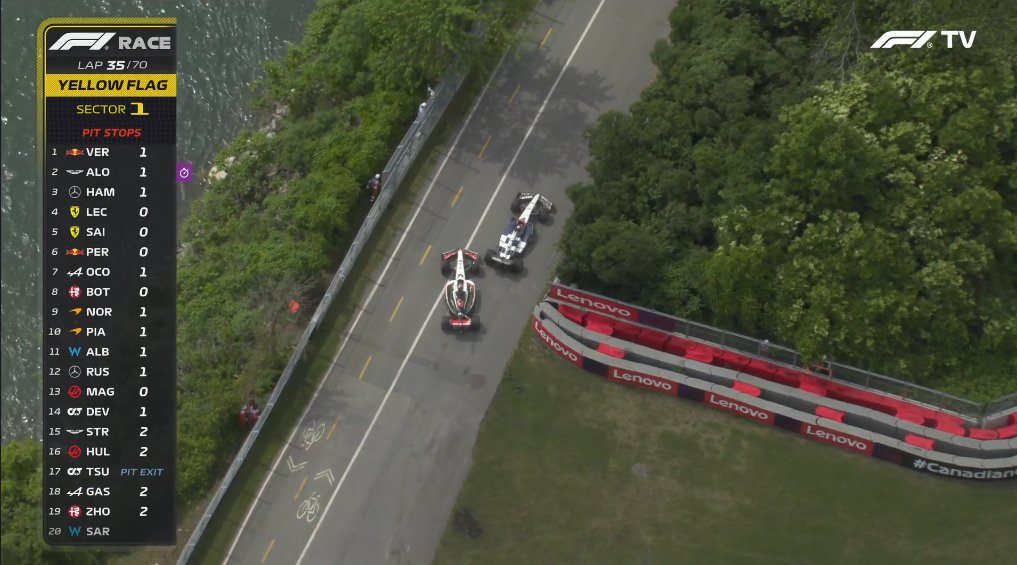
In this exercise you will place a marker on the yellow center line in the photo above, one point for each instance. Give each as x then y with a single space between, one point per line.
364 370
271 544
484 148
334 424
514 93
424 256
546 36
456 199
396 311
299 490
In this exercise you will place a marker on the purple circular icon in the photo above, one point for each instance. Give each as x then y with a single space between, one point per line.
185 171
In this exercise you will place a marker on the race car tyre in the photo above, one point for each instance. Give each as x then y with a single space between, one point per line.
446 268
517 204
474 268
446 324
516 265
544 215
489 258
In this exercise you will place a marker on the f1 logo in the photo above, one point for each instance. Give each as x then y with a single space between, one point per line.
94 40
919 39
916 39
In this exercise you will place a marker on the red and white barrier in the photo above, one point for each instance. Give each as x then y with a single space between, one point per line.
925 459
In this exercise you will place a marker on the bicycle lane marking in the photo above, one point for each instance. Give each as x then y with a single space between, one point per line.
356 320
416 340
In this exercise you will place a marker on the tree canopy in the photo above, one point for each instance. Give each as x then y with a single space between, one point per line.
855 204
270 229
21 511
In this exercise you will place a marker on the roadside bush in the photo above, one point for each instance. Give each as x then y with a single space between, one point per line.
855 204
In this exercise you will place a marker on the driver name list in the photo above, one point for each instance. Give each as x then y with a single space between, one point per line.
107 113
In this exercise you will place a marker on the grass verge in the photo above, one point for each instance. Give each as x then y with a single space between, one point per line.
569 468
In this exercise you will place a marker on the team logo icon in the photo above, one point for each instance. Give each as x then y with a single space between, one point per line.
75 211
74 291
75 152
75 230
74 191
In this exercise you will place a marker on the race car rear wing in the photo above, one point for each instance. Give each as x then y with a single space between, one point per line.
463 322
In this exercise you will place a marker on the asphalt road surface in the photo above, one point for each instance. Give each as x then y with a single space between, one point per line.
372 470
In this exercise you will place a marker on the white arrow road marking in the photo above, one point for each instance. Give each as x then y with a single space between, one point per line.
327 473
356 320
294 467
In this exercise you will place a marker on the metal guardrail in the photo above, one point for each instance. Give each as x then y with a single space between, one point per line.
392 176
1002 405
978 413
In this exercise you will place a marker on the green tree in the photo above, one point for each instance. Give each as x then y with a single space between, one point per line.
21 510
854 204
887 248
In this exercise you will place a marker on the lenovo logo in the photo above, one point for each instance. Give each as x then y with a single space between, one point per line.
93 40
591 303
751 412
643 380
919 39
826 435
565 352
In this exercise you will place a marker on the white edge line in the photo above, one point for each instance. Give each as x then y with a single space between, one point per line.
356 320
388 393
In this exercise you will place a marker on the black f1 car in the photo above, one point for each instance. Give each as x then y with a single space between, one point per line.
460 293
519 231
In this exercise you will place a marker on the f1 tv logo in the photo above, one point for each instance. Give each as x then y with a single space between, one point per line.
93 40
919 39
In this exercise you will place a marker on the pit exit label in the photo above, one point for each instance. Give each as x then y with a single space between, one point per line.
107 130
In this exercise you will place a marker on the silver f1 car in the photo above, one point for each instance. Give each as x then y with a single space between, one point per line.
460 293
519 231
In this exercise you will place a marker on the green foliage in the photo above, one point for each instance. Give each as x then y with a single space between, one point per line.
21 509
291 197
21 494
692 140
266 233
354 47
869 220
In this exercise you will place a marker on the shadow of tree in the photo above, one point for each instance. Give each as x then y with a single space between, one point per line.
557 140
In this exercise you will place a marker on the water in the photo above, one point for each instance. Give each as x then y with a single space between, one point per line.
221 48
